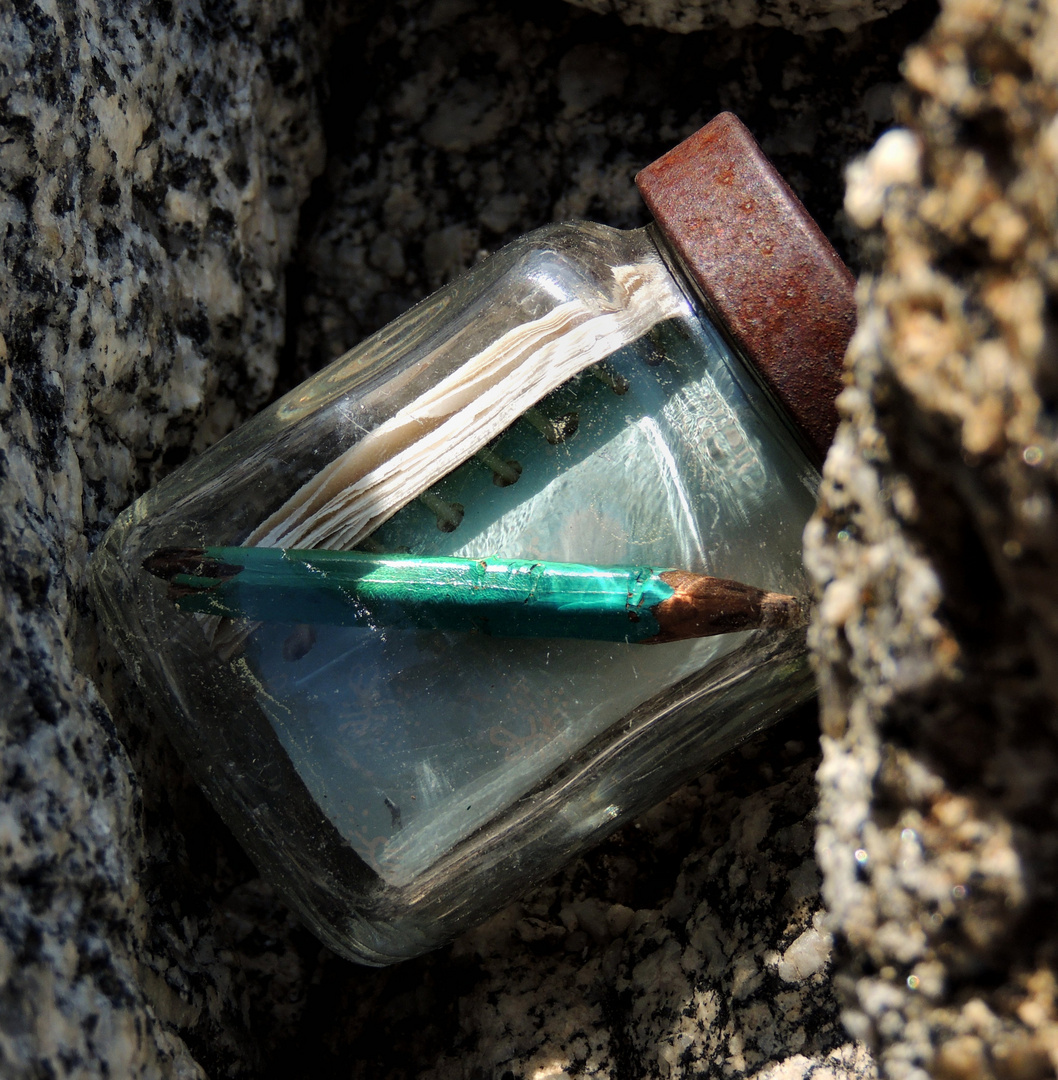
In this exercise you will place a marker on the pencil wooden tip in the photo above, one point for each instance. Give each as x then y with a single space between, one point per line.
703 606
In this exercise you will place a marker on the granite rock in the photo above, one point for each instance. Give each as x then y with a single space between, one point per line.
170 265
485 120
152 167
630 963
936 554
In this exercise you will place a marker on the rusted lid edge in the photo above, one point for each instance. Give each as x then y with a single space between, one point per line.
761 263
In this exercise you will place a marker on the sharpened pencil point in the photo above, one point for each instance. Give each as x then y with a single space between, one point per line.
702 606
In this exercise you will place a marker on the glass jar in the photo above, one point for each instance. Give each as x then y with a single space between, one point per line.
579 397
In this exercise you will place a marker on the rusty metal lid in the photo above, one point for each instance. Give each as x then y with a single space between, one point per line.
762 265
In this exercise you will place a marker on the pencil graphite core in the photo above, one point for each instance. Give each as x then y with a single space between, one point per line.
500 597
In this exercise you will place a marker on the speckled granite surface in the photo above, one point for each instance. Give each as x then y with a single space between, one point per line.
152 174
152 167
937 553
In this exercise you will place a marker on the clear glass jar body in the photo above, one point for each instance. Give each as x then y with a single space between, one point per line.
399 785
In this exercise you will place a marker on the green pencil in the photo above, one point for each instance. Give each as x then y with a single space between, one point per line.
501 597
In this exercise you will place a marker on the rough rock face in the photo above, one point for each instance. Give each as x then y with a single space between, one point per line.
936 550
152 171
689 943
152 167
485 120
687 16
